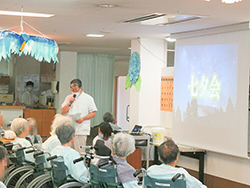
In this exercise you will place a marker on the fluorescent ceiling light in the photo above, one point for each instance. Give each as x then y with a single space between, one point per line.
170 39
29 14
107 6
94 35
230 1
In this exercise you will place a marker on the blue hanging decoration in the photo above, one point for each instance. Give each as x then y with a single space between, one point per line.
41 48
133 76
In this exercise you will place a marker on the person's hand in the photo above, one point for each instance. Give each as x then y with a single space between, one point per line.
71 100
80 120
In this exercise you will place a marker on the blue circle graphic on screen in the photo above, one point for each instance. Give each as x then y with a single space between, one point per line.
134 67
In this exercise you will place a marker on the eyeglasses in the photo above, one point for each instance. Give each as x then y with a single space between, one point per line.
74 88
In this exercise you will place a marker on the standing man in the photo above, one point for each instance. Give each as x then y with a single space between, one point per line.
81 107
29 98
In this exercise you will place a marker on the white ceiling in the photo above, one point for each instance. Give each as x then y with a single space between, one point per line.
75 18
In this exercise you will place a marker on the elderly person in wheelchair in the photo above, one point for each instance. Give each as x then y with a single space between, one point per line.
169 154
66 134
53 140
21 129
123 145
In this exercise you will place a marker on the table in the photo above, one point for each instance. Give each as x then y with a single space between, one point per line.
143 141
188 152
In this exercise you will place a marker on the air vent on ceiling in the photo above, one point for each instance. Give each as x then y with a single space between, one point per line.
163 19
144 18
180 21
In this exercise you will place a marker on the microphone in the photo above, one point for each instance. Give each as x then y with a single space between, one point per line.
72 101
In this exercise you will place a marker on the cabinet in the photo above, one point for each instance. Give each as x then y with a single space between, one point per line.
47 72
44 118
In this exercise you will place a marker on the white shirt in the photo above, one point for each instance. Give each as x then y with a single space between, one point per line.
83 105
165 171
2 185
24 143
29 98
51 143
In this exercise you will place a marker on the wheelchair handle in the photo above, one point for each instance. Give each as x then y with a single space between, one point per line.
176 177
103 164
38 153
8 144
52 157
78 160
21 148
87 147
112 159
137 172
30 151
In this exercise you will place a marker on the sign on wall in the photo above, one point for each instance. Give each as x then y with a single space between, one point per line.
167 85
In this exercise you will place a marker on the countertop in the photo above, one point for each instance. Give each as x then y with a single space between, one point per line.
30 107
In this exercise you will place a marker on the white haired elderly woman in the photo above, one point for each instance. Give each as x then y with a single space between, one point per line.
33 137
66 135
53 141
21 129
123 145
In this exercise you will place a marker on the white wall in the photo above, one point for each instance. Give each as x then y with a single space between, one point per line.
145 104
66 71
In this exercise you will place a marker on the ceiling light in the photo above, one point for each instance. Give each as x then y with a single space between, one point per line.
230 1
170 39
30 14
107 6
94 35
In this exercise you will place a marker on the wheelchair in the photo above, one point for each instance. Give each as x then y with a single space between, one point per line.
20 167
38 170
174 182
102 175
57 178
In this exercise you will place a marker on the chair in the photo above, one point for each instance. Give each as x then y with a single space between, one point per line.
103 177
57 178
174 182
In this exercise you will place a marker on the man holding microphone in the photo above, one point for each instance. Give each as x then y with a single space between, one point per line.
82 108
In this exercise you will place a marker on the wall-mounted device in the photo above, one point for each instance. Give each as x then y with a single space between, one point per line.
55 86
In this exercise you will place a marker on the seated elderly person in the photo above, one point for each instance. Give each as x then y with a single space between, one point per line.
33 137
3 164
123 145
21 129
53 141
66 135
110 118
169 155
104 133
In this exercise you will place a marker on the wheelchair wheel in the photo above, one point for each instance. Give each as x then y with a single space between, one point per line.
15 175
7 172
34 182
24 181
72 184
44 183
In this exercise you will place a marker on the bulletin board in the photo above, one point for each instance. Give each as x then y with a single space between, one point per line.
167 86
23 78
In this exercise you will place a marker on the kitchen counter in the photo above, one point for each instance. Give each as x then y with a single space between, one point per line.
40 107
12 107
